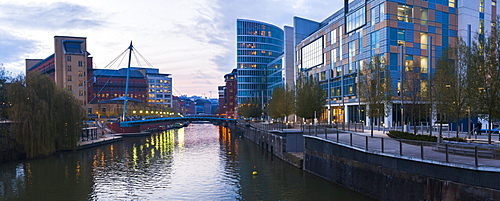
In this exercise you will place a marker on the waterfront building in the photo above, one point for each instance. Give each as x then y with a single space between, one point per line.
159 87
228 96
69 66
258 44
408 35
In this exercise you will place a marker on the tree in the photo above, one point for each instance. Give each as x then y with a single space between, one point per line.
4 77
251 108
483 74
281 104
45 118
375 89
310 99
450 87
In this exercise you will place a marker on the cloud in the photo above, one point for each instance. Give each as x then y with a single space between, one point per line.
13 48
60 15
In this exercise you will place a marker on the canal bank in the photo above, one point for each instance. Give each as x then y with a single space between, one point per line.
382 176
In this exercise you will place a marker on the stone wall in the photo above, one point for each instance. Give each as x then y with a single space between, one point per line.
386 177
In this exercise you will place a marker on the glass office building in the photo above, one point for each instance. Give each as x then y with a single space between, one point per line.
258 45
408 35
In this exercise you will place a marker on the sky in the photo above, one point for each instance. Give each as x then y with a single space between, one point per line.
193 40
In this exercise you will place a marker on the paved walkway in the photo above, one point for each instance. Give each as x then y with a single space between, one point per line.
464 155
100 140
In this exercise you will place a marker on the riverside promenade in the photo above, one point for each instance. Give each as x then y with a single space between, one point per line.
476 153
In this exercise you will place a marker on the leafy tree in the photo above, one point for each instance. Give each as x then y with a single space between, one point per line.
483 74
4 77
310 99
281 104
375 89
450 87
251 108
45 118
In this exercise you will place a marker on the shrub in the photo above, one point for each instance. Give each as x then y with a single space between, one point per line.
411 136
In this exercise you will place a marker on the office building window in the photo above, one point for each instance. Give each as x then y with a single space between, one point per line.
312 54
405 13
424 64
401 37
424 16
424 40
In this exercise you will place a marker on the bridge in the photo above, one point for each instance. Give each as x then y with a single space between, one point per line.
157 123
175 119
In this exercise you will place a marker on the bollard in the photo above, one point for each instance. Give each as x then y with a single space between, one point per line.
422 150
366 143
350 139
337 135
400 147
325 134
382 147
446 150
476 160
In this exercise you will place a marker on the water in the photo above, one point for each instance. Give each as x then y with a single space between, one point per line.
199 162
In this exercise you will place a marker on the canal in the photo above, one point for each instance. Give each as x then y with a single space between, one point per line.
198 162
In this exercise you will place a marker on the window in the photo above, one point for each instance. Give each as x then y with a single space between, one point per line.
401 37
409 62
333 36
80 63
424 40
451 3
312 53
405 13
80 73
423 88
68 78
374 42
69 87
68 68
424 64
80 82
356 19
68 58
424 16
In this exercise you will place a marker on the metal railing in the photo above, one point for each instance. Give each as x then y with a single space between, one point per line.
449 152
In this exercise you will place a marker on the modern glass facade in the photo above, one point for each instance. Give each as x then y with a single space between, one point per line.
409 36
258 45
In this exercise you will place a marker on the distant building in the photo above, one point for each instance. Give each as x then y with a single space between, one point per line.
68 66
228 96
159 87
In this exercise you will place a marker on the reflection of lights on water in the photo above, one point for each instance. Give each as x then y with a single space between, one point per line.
78 170
134 156
180 139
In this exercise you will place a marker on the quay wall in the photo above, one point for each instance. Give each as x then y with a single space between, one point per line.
273 142
386 177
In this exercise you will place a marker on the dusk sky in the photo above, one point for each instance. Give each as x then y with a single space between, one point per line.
194 40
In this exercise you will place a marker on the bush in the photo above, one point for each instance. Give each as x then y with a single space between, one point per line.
411 136
454 139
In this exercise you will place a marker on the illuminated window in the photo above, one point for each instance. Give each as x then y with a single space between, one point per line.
69 78
424 16
80 82
424 64
405 13
423 88
451 3
409 62
424 40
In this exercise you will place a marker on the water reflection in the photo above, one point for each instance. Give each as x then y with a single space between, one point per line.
199 162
